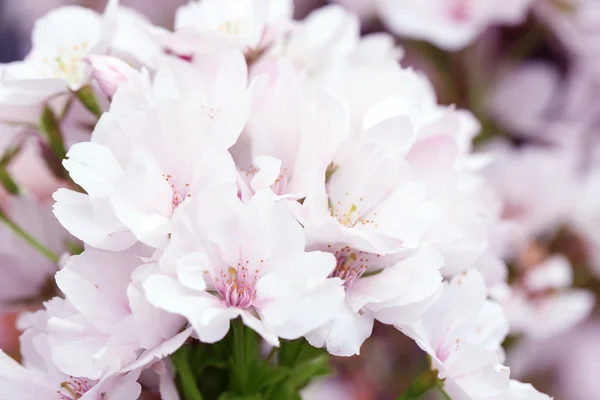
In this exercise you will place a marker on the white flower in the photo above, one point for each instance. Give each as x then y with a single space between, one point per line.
227 259
294 122
207 26
105 318
61 41
463 332
449 24
157 146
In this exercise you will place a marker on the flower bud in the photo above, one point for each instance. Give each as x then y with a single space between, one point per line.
109 72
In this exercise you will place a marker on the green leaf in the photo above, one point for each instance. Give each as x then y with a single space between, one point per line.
421 385
87 97
50 129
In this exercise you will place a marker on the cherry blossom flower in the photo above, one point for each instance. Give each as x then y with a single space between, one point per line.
308 128
106 319
214 25
26 383
147 157
462 332
61 41
248 261
451 24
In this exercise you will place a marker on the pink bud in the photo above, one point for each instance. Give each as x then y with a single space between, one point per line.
109 72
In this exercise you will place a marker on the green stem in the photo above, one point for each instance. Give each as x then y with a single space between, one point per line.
421 385
442 391
49 126
87 97
29 239
239 357
272 354
8 182
186 376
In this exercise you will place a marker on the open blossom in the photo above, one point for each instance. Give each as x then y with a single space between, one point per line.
38 377
227 259
463 332
449 24
105 318
294 122
19 382
542 304
154 150
204 26
61 41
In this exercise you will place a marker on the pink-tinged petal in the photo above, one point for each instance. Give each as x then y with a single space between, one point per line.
19 383
209 316
159 352
93 167
191 269
93 223
345 334
259 327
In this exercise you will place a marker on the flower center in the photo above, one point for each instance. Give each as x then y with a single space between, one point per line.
179 195
73 389
351 264
237 285
350 218
67 64
230 27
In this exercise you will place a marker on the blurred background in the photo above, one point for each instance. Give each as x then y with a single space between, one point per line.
532 81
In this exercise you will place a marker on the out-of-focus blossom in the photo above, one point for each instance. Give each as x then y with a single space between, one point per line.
61 41
227 259
449 24
567 358
538 186
542 304
575 22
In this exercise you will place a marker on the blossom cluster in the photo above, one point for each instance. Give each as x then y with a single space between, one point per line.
289 174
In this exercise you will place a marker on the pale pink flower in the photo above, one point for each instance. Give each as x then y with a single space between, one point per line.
38 377
543 304
19 382
463 332
449 24
295 123
207 26
315 43
157 147
105 318
227 259
61 41
537 185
